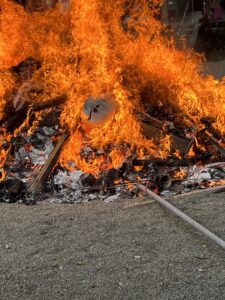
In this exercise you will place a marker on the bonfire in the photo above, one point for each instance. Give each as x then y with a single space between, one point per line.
125 95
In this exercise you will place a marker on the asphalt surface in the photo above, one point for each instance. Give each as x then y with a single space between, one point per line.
102 251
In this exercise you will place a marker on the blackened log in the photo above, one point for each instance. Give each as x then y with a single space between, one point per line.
13 122
56 101
146 118
16 120
170 162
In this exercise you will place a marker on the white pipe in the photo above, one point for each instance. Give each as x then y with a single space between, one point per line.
183 216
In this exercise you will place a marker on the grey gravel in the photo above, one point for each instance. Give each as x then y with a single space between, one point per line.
101 251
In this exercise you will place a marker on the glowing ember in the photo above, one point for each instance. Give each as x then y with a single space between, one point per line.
181 174
88 51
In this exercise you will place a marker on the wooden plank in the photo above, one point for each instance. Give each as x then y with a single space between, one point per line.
177 143
37 184
208 191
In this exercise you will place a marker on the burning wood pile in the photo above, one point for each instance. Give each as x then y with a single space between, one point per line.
95 98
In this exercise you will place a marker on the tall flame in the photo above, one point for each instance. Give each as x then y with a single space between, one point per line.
93 49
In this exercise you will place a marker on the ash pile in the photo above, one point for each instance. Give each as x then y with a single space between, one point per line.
31 141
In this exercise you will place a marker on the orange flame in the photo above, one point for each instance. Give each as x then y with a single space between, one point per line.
181 173
85 51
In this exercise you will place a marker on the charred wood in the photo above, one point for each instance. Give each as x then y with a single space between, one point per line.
177 143
216 143
13 122
11 188
37 184
191 143
56 101
163 181
210 128
170 162
26 69
16 120
146 118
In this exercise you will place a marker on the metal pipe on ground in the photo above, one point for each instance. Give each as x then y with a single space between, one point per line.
210 235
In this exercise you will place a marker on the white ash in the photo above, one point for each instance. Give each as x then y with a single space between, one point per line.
73 196
54 200
39 157
111 198
48 131
30 154
168 193
41 137
208 172
73 187
68 179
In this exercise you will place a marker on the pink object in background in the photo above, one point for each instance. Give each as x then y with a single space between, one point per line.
218 13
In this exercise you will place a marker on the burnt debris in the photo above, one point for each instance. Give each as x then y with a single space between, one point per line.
31 171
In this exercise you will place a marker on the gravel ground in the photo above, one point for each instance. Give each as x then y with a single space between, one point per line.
101 251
